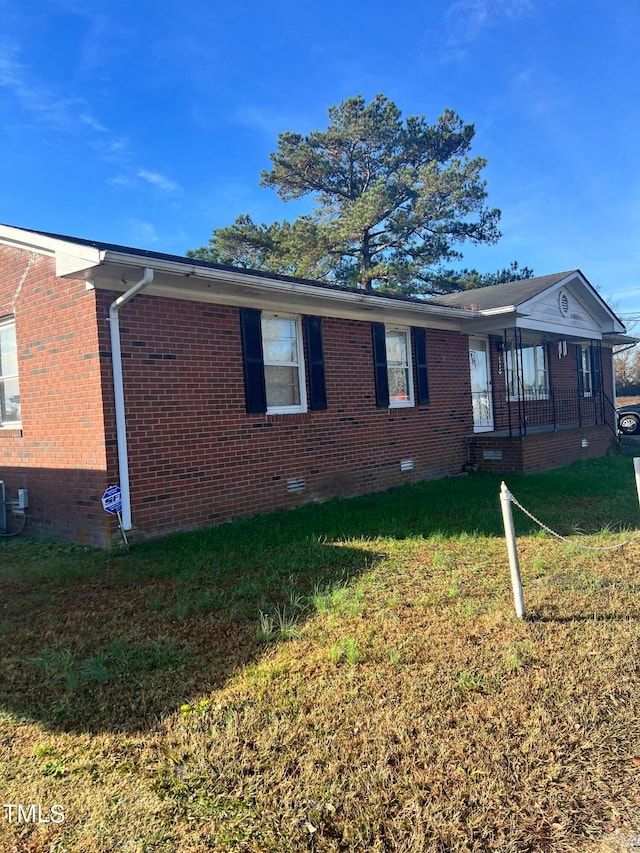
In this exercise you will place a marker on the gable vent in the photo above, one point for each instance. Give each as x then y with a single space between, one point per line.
563 302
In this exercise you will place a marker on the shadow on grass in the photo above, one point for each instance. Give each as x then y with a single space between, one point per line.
613 616
146 632
110 642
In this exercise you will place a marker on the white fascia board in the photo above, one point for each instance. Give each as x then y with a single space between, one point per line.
70 257
529 305
568 332
495 312
615 340
490 323
179 280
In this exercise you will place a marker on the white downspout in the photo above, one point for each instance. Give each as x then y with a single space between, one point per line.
118 390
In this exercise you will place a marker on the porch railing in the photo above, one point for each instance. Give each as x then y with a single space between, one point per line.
553 410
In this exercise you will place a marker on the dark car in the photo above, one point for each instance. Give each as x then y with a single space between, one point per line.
629 419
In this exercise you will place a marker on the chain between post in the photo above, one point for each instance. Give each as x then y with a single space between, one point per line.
565 538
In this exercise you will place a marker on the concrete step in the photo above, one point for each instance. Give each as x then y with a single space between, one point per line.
630 444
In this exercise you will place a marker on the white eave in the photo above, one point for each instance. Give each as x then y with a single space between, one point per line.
181 280
69 256
107 268
115 269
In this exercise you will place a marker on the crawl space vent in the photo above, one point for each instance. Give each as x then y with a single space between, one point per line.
296 484
406 464
492 454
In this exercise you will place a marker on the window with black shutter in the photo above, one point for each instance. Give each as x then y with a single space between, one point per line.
315 357
254 382
380 364
419 337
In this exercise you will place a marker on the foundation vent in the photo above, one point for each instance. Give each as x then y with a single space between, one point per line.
406 465
296 484
492 454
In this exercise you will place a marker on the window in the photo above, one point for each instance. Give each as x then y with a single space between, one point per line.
283 363
398 351
273 362
531 369
9 387
585 379
589 369
399 372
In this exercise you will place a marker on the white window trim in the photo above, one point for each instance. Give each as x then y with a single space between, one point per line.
10 321
514 398
302 385
403 404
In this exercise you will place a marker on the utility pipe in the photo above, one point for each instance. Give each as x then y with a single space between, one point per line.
118 390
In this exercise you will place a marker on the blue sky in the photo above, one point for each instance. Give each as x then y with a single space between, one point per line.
148 123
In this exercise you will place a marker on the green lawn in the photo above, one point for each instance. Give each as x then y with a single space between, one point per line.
347 676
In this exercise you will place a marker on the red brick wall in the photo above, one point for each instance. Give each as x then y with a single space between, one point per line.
540 451
59 454
197 458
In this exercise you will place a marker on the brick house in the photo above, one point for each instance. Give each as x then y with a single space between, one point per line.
208 392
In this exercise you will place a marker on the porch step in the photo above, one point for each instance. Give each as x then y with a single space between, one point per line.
630 444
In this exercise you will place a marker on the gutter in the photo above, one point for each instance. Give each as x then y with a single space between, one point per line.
284 285
118 390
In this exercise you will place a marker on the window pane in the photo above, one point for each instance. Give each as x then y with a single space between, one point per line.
529 369
9 401
283 388
532 364
541 370
396 348
8 364
586 371
398 384
9 388
279 340
8 350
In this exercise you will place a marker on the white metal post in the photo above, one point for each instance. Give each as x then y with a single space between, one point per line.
636 468
510 534
118 392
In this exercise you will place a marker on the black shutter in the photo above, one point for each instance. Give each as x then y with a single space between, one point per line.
580 373
595 354
315 357
419 339
254 386
380 364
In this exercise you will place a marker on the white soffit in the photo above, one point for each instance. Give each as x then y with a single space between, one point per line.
176 280
69 257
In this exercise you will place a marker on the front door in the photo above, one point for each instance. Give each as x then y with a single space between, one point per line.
480 384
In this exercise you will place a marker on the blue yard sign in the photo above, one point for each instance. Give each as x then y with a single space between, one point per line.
112 500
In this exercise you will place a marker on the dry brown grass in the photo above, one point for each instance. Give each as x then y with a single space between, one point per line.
410 710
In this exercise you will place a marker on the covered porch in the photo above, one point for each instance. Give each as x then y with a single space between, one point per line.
540 400
541 365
